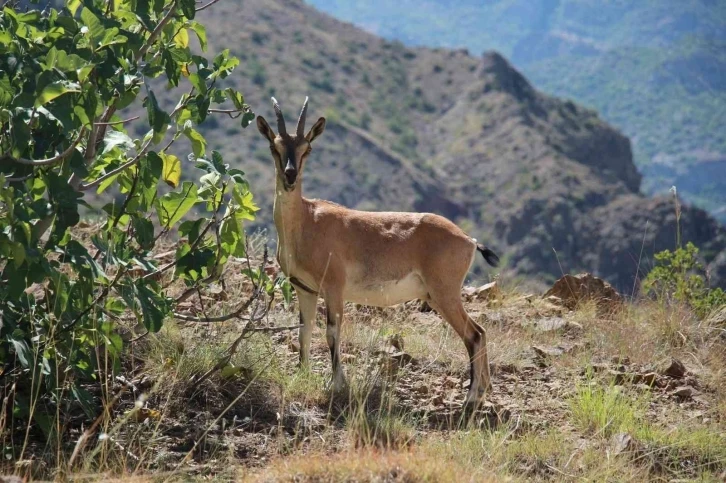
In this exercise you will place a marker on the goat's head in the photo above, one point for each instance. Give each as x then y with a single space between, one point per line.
290 151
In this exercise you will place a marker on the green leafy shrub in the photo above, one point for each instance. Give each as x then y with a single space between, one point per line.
64 77
679 276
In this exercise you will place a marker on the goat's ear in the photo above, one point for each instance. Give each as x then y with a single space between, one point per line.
265 129
316 130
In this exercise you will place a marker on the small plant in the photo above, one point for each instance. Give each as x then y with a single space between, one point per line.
679 276
605 410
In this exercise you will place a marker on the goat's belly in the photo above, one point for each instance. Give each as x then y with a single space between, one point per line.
386 293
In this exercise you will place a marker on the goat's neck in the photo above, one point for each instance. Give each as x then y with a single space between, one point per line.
288 214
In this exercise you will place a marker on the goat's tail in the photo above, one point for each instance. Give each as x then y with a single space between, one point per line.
491 257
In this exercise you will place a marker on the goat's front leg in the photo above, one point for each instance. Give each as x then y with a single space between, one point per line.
307 303
334 309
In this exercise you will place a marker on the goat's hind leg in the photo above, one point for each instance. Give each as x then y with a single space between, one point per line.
474 337
334 309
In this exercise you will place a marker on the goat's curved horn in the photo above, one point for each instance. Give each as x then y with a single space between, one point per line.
301 120
280 119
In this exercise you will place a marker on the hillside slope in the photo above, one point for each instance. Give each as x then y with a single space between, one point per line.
442 131
654 68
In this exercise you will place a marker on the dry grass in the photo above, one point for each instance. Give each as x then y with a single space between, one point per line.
554 418
365 466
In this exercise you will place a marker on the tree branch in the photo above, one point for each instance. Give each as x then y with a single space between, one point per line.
112 123
207 5
19 178
230 112
44 162
155 33
96 182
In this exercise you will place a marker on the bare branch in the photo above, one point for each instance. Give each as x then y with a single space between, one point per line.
230 112
207 5
222 318
112 123
19 178
275 329
44 162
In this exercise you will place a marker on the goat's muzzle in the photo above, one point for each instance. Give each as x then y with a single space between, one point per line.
290 174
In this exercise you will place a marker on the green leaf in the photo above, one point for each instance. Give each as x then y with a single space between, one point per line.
231 237
23 351
236 97
247 206
29 17
247 118
153 307
144 232
171 172
18 254
229 371
199 144
85 399
95 28
69 62
198 83
181 39
173 206
150 169
171 68
195 265
188 8
114 139
158 119
54 90
201 34
191 229
72 6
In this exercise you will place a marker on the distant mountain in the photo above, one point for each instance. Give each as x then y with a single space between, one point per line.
654 68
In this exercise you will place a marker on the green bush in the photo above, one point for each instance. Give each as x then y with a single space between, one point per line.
64 77
679 276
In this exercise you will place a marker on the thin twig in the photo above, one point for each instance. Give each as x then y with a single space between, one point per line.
112 123
44 162
207 5
275 329
20 178
136 339
230 112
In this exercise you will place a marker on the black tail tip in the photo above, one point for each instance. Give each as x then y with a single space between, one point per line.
491 257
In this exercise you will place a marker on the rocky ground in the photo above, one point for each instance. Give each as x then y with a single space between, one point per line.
606 389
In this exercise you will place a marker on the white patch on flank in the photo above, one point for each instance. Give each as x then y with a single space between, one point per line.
386 293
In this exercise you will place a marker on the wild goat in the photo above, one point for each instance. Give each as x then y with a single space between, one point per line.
369 258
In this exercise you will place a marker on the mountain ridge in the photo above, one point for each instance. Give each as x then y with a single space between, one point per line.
654 68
